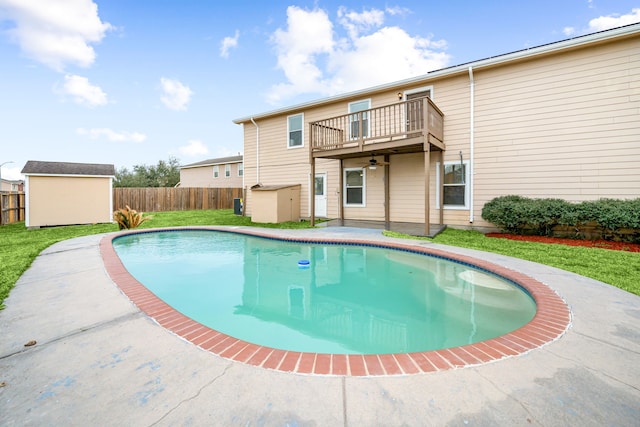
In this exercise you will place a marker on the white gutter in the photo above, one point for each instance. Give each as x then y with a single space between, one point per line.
257 151
472 86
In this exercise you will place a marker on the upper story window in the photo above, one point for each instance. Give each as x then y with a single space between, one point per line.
355 119
240 169
227 171
295 134
455 186
354 187
216 171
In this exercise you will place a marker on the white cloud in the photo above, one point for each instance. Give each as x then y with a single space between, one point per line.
56 32
397 10
355 22
176 95
228 43
568 31
316 59
195 147
111 135
614 20
82 92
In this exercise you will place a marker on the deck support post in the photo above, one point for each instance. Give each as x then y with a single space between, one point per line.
427 173
312 191
387 218
441 189
341 186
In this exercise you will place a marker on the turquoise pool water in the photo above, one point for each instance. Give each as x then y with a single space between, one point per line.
348 299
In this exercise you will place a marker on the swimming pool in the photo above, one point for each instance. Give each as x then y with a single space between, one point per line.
345 299
549 322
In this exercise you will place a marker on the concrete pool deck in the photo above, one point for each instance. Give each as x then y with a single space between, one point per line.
99 360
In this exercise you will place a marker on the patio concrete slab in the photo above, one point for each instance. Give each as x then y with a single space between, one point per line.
98 360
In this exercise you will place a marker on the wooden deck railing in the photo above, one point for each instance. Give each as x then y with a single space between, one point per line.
392 122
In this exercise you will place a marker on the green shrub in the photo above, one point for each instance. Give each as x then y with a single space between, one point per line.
544 214
522 215
506 212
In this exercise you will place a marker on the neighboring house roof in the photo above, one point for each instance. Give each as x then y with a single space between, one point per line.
212 162
13 181
598 37
34 167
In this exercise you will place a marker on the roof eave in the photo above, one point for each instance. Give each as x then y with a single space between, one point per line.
461 68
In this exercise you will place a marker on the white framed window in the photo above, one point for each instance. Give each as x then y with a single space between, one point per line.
240 169
354 119
295 131
216 171
227 171
456 185
355 187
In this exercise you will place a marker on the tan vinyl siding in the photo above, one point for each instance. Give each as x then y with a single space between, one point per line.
406 188
59 200
562 124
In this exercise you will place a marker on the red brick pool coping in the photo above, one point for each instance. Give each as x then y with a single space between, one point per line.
550 322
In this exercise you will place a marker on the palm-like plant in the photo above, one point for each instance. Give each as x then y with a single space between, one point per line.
129 218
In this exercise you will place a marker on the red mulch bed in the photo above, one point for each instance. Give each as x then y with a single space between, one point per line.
602 244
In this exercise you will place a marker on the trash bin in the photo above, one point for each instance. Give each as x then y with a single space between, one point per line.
237 206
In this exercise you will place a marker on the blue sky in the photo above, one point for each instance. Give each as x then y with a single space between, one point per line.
134 82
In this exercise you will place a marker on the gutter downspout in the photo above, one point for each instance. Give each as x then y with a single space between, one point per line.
472 85
257 151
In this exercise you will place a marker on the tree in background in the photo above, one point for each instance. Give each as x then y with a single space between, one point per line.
164 174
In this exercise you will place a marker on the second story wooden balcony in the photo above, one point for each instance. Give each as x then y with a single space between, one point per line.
403 127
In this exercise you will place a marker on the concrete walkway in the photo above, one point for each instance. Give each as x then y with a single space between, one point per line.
99 360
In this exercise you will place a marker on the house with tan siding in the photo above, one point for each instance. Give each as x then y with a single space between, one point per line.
560 120
223 172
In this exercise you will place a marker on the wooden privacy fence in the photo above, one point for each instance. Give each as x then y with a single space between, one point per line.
11 207
160 199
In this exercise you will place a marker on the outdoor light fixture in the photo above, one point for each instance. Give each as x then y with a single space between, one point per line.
372 167
399 96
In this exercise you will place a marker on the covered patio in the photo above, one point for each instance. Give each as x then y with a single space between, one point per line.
411 228
411 126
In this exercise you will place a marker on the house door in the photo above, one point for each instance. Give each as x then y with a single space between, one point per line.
321 195
415 115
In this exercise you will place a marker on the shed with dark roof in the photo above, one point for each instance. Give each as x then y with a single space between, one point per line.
63 193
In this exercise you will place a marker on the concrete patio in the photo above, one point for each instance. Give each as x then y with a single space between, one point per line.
99 360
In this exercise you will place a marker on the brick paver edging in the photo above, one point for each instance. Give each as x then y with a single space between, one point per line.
550 322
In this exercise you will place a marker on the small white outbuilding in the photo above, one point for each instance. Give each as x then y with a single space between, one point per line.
60 193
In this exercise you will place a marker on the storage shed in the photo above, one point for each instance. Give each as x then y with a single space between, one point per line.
276 203
59 193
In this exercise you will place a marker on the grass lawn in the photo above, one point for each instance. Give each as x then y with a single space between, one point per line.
19 247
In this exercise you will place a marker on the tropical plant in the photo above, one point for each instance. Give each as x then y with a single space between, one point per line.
129 218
